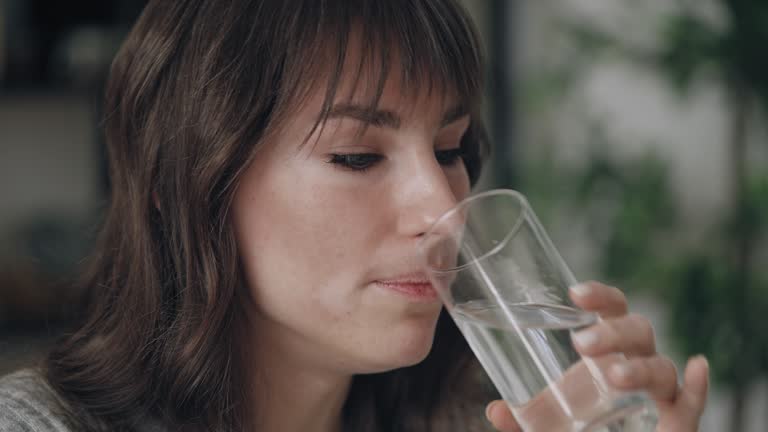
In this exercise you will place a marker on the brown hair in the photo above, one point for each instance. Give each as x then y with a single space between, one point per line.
192 93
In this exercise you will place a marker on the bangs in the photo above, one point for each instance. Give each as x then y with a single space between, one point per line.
431 45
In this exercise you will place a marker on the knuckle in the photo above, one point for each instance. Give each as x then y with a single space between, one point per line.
644 372
608 333
668 364
649 334
618 300
642 326
666 377
603 289
618 295
664 368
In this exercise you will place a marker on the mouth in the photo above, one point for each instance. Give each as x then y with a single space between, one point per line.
415 287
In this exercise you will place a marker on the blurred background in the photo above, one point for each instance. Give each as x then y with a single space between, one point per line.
637 129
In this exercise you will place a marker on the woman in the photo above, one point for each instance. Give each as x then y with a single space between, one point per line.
273 165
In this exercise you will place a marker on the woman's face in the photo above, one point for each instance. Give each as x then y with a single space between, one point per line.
327 231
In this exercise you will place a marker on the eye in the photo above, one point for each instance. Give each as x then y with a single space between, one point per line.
449 157
355 161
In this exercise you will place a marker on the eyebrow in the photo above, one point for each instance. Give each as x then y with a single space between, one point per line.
386 118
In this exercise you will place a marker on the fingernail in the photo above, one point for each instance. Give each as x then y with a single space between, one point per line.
586 338
581 289
704 359
621 371
488 410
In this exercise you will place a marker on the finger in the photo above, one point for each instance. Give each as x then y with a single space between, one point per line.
606 300
656 375
696 384
631 334
684 414
499 415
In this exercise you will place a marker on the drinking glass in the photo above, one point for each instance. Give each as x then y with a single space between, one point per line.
506 287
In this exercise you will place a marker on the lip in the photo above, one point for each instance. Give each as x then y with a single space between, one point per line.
414 286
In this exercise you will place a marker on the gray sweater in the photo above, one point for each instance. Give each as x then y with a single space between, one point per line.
29 404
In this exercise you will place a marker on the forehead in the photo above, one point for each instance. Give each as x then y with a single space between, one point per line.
419 59
375 84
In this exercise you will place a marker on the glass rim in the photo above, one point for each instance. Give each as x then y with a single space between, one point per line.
464 204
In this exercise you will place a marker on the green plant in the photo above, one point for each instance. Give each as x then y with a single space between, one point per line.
716 290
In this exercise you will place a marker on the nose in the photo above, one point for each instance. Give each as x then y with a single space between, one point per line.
425 197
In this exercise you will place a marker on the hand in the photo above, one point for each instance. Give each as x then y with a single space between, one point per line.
680 408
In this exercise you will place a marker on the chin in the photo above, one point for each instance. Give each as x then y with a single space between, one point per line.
414 358
403 349
397 360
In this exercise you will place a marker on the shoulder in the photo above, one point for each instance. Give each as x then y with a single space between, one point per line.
28 404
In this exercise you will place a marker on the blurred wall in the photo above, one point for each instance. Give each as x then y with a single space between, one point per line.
53 59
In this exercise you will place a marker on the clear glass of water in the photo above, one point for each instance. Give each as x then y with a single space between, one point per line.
506 287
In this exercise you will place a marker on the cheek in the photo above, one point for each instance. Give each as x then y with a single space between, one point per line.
306 264
307 249
308 245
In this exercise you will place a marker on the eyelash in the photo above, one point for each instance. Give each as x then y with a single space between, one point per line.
361 162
